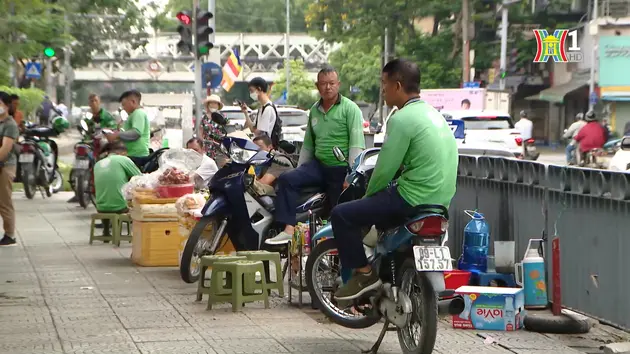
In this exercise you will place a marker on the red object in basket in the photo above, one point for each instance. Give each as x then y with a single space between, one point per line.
455 278
174 190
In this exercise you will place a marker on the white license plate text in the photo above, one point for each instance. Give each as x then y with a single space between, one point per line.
432 258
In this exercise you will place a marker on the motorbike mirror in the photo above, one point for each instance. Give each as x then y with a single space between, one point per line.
84 125
339 154
218 118
625 143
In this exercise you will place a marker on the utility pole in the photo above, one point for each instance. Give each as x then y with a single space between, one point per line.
504 38
198 89
12 69
594 25
67 68
287 52
465 43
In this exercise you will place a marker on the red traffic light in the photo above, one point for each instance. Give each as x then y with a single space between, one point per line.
184 17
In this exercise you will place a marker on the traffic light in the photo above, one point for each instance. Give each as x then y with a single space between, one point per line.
185 44
513 62
203 30
49 52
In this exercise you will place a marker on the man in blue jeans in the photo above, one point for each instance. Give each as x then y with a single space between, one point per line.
333 121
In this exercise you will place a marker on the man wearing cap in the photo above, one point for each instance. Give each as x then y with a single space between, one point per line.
211 133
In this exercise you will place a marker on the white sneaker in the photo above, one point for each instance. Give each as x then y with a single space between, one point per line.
280 239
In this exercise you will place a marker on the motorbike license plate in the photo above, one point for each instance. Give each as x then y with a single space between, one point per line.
432 258
531 148
27 158
81 164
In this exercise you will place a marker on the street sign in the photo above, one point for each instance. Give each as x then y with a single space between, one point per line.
154 66
33 70
593 98
212 75
354 89
472 84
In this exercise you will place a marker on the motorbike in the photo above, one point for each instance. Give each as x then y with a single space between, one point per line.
84 159
37 161
530 152
236 178
409 257
621 160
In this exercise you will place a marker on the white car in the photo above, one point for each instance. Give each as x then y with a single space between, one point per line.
294 121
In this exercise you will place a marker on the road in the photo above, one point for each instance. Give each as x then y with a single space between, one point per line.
60 295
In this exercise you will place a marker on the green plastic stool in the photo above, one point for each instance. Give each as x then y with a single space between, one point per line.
238 296
207 261
123 219
266 257
113 224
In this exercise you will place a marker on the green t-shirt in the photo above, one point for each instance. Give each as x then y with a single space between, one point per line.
110 174
106 120
341 126
139 121
418 138
9 128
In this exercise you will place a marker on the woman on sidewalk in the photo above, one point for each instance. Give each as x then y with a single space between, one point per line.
8 135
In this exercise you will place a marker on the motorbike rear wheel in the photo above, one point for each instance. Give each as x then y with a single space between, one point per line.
82 190
57 182
198 246
28 181
424 313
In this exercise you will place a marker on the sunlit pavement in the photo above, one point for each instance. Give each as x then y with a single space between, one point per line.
60 295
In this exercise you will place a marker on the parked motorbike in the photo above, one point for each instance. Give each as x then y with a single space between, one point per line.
37 161
410 258
84 158
234 179
530 152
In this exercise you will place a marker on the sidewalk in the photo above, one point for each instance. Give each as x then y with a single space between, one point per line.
60 295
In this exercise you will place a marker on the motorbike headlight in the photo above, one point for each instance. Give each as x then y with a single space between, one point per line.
240 155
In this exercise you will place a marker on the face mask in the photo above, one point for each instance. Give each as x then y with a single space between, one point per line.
254 96
212 110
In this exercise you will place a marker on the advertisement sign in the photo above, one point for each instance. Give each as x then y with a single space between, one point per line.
614 60
454 99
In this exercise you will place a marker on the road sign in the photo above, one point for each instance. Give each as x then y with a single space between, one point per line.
154 66
354 89
472 84
33 70
212 75
593 98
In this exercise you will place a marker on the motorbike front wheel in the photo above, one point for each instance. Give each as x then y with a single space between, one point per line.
419 335
57 182
28 180
199 245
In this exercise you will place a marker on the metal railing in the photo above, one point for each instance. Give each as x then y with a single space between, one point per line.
588 209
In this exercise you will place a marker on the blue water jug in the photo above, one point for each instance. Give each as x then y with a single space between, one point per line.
475 249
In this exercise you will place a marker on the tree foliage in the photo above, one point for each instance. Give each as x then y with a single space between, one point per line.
302 88
359 65
30 98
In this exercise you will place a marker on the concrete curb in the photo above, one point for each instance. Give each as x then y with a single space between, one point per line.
617 348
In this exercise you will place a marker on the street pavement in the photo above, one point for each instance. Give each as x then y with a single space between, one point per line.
60 295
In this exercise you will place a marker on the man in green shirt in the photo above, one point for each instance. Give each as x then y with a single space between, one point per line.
110 174
333 121
100 117
418 139
136 129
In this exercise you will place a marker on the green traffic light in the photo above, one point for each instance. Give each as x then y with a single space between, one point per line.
503 75
204 50
49 52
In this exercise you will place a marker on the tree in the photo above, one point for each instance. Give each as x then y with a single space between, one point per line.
302 89
359 65
250 16
30 98
429 52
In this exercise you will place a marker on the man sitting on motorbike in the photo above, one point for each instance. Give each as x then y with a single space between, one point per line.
110 174
592 136
137 130
333 121
418 139
570 133
268 175
207 168
100 117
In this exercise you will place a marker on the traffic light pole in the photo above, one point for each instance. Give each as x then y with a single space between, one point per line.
198 89
504 38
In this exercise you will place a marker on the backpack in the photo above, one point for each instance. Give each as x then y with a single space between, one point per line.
276 131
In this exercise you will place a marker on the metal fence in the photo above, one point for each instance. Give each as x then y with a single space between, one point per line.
588 209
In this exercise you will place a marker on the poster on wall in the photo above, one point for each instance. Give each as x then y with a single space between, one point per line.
454 99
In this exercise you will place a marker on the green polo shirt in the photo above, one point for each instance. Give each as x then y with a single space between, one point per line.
110 175
341 126
105 120
139 121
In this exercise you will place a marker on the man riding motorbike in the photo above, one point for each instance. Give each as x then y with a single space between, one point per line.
592 136
570 133
418 139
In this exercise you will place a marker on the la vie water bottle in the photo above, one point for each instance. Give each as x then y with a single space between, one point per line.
475 248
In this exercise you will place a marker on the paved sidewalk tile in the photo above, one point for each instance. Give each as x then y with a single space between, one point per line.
60 295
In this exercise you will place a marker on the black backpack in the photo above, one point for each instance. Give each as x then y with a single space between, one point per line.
276 132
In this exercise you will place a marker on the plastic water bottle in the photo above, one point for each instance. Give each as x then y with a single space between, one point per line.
475 249
508 314
467 307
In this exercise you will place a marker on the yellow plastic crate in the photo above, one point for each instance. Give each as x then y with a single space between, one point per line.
155 244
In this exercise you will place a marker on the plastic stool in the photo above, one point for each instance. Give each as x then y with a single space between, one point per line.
113 224
266 257
238 297
207 261
123 219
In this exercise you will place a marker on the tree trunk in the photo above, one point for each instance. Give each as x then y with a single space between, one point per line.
457 37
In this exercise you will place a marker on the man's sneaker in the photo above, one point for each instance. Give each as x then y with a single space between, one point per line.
359 284
7 241
280 239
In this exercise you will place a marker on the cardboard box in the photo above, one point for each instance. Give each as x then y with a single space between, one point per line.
491 308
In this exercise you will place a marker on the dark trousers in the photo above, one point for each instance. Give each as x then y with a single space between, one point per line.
310 174
139 161
350 219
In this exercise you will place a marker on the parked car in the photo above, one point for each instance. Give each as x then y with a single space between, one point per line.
235 116
294 122
621 160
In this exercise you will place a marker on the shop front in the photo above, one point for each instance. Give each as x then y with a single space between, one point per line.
614 79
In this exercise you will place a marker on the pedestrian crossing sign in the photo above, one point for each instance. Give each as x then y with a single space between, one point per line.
33 70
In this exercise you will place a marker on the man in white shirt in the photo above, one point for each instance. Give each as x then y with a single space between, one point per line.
208 167
525 127
266 117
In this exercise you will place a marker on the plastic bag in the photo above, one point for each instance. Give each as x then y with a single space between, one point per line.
146 182
185 160
189 202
